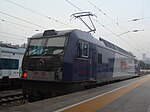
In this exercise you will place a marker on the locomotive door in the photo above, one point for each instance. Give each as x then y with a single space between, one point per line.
93 65
84 61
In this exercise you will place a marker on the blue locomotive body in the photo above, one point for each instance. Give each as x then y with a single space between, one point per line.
64 60
87 58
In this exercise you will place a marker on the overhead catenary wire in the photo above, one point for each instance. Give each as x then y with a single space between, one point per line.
12 34
22 19
142 9
104 2
50 18
127 21
23 30
18 24
73 5
10 37
12 25
131 20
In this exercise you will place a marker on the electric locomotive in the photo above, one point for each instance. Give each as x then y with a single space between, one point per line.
59 62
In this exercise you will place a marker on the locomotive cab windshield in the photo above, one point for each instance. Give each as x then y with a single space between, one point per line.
46 46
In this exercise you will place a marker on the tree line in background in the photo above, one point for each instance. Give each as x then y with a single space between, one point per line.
144 65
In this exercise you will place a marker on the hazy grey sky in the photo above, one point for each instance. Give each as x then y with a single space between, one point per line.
108 12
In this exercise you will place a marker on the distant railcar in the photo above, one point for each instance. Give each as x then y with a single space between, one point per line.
63 61
10 63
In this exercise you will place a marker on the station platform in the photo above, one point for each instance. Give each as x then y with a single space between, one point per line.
126 96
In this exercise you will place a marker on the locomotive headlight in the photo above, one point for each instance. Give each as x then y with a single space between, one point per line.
25 75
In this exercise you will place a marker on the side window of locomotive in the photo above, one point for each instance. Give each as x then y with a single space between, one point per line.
83 50
99 59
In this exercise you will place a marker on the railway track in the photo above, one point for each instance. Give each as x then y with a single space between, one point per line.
11 98
10 92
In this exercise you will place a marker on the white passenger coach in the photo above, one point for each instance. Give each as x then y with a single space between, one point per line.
10 63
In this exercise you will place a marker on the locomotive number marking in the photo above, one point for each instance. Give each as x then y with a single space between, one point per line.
39 75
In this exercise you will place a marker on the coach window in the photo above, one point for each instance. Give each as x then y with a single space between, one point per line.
5 64
14 64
